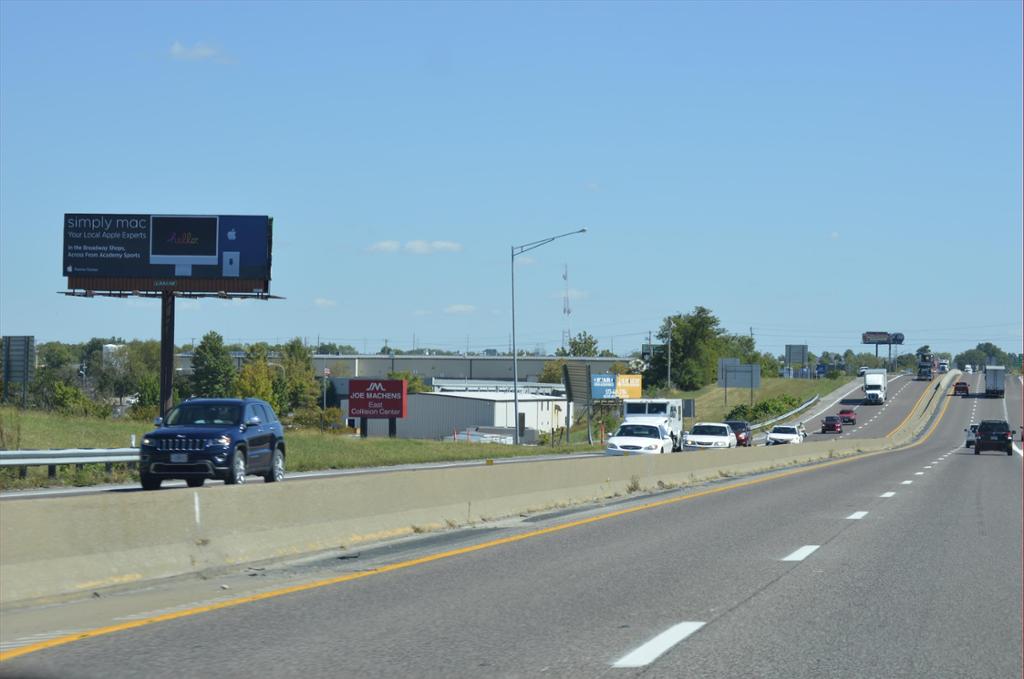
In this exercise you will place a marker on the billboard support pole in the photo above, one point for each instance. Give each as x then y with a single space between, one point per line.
167 351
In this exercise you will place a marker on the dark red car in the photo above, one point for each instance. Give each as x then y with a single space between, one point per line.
744 436
848 416
961 389
831 423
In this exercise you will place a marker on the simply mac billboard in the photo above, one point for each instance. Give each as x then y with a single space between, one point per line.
146 252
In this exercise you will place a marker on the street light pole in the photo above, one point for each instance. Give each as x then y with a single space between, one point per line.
518 250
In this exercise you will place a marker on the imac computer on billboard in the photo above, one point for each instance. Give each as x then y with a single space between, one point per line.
184 241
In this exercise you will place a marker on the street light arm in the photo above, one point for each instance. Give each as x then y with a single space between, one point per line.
520 249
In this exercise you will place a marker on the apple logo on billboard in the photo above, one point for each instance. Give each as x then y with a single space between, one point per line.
70 268
232 235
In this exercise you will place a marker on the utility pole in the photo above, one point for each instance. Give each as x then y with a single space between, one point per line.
670 357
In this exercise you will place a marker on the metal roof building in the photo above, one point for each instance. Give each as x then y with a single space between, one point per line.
435 415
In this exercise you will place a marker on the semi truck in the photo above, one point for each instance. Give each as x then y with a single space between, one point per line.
874 388
667 412
995 381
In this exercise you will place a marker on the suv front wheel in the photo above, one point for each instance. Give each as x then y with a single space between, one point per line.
236 475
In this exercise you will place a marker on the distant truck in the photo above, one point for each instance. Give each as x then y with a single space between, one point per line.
874 388
667 412
995 380
924 370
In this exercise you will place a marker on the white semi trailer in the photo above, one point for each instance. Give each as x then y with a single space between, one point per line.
875 381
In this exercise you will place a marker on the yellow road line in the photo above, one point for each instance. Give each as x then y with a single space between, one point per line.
110 629
916 403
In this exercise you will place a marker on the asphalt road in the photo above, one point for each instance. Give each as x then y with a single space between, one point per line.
900 564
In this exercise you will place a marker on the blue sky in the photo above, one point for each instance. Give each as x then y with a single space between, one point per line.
810 170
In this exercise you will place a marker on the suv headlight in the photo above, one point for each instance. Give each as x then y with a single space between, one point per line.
222 440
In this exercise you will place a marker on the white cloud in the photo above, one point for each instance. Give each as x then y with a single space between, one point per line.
429 247
834 235
459 309
197 52
416 247
385 246
324 303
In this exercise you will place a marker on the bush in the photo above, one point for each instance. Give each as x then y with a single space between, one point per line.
763 410
143 413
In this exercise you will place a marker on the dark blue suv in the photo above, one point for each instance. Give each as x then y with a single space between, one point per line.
214 438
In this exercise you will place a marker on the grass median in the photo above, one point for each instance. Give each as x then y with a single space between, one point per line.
308 450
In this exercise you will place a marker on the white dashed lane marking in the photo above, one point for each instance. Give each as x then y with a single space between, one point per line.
802 553
888 494
650 651
856 516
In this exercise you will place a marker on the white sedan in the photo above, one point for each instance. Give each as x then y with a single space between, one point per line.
785 434
709 435
635 439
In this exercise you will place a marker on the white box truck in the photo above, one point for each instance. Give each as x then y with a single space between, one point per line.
995 380
874 387
667 412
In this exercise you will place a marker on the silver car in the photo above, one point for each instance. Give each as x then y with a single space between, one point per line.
972 435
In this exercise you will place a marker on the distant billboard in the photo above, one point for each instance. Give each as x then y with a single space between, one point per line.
796 354
875 338
629 386
19 357
742 375
602 387
153 252
380 399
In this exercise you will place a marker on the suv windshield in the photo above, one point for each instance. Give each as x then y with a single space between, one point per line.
709 430
205 414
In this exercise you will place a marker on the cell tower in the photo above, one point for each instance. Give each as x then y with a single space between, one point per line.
566 308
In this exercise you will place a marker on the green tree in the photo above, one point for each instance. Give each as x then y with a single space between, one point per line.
552 372
255 379
415 383
299 388
213 369
583 344
697 342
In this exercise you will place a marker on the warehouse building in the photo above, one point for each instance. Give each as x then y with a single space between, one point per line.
436 415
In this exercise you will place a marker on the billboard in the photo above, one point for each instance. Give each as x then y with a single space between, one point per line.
154 252
602 387
629 386
381 399
796 354
875 338
19 357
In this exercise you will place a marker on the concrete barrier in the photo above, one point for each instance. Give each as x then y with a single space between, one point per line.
80 544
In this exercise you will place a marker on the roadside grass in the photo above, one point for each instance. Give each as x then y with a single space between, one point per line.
308 449
710 401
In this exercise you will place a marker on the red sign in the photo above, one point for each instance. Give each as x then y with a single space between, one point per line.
381 399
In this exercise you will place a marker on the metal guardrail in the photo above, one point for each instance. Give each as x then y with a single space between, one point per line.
29 458
806 404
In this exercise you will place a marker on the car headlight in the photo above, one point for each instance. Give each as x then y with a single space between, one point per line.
612 446
222 440
146 441
651 447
